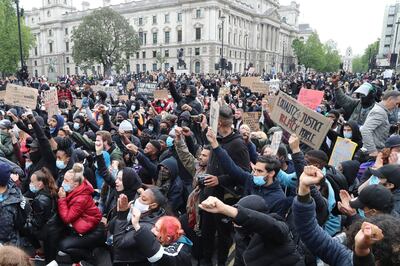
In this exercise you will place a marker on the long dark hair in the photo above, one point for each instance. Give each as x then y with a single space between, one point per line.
44 175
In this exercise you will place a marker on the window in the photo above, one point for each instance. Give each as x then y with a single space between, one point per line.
66 31
196 51
154 67
50 47
67 46
50 33
154 20
198 13
36 51
155 38
137 68
35 63
166 35
137 55
154 54
166 18
229 37
144 55
36 73
67 59
140 21
234 39
48 13
76 70
166 66
144 68
144 38
166 53
141 37
68 71
179 35
197 67
179 17
198 34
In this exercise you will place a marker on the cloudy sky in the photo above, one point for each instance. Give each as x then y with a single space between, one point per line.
354 23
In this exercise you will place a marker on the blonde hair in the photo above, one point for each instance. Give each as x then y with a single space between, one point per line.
77 172
13 256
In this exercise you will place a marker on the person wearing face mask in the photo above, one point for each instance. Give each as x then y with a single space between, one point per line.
41 224
376 128
356 109
187 102
126 247
263 181
6 145
64 161
79 124
119 180
262 237
351 131
56 122
80 215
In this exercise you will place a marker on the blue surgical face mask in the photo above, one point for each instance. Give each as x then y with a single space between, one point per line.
259 180
169 142
60 164
361 213
52 130
67 187
27 164
32 188
347 135
114 173
324 171
133 108
2 197
374 180
76 126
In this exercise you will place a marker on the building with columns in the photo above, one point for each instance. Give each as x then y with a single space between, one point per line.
347 60
256 32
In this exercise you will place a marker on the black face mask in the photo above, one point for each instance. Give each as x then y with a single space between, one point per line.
164 131
367 101
35 156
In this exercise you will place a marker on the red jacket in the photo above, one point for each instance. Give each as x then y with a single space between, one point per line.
79 209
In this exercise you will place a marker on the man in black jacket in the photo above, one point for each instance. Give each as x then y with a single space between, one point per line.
266 239
219 184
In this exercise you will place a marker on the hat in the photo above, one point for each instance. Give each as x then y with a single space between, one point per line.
364 89
5 124
374 197
253 202
5 173
390 172
156 144
125 126
393 141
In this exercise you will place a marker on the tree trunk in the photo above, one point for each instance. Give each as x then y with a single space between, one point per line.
107 70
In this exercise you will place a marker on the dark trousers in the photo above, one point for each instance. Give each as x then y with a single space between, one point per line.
211 224
81 247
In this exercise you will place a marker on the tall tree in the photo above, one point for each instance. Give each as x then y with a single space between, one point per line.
332 59
106 37
9 45
311 53
367 60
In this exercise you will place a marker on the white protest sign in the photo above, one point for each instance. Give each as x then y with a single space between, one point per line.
21 96
276 141
342 151
51 101
214 116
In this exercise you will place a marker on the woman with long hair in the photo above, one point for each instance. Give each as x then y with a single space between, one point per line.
44 208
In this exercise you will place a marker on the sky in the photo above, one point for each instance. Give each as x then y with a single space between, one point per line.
350 23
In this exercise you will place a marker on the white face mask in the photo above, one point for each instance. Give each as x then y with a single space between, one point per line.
398 158
141 206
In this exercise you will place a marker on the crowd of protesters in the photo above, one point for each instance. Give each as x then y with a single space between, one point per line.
148 181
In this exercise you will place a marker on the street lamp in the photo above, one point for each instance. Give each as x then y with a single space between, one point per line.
283 57
245 52
23 71
395 42
221 64
161 61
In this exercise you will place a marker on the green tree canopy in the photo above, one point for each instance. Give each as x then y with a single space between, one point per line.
9 45
105 37
313 54
362 63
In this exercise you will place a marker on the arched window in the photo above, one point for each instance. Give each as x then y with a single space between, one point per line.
197 67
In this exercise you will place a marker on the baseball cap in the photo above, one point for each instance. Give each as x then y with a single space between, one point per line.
5 124
390 172
374 197
393 141
364 89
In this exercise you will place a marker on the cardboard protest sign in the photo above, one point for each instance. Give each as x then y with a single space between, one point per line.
310 126
21 96
252 119
146 89
161 94
248 81
110 90
51 101
274 85
342 151
214 115
310 98
2 95
130 86
123 97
